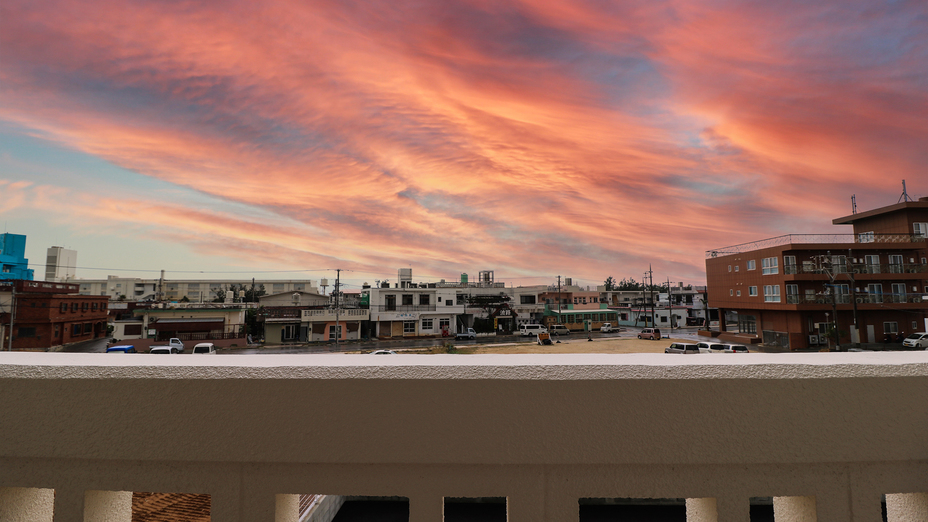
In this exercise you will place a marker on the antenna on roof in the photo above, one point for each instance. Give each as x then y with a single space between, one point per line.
853 203
905 195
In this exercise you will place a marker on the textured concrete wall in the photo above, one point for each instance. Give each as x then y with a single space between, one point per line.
543 431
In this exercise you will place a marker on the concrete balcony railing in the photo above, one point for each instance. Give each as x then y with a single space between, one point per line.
824 434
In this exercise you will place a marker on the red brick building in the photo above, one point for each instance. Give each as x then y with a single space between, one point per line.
788 290
47 314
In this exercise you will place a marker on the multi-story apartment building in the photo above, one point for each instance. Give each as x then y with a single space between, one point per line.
195 290
790 290
46 315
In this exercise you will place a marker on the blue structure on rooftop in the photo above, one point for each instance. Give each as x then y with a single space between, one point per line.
13 262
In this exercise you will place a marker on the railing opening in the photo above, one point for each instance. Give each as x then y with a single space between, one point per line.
482 509
379 509
187 507
643 509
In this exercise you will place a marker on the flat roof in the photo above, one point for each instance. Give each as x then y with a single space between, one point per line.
849 220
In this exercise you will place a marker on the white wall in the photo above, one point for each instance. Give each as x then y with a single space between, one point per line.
543 431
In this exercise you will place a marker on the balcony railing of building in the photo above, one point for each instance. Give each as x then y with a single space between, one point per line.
861 298
344 313
404 308
858 268
804 239
824 434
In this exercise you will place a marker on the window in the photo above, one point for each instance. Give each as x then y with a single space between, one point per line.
448 302
427 323
895 264
94 307
76 329
193 286
747 324
409 326
770 266
64 307
26 331
736 268
876 292
921 230
288 332
839 264
842 293
752 265
873 264
772 293
731 292
407 299
459 299
277 288
299 287
73 307
84 307
890 327
88 327
898 292
738 293
424 299
444 324
789 265
335 330
865 237
526 299
729 268
752 290
792 294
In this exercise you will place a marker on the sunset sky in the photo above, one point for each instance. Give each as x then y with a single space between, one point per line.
535 138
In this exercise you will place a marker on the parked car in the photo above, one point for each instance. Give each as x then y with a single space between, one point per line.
162 350
176 344
736 348
559 329
606 328
467 333
207 348
709 347
917 340
682 348
650 333
527 330
383 352
122 348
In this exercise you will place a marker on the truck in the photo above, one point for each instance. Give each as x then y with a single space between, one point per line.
467 333
175 345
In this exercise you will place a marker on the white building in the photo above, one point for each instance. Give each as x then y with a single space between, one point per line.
60 264
195 290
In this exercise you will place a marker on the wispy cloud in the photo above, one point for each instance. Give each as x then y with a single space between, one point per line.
534 137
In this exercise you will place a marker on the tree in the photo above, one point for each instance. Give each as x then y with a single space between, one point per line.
629 284
220 296
609 283
185 299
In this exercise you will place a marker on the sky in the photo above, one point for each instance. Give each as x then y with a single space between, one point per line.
535 138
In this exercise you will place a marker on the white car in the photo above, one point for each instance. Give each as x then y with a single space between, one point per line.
206 348
707 347
161 350
736 348
606 327
383 352
682 348
917 340
527 330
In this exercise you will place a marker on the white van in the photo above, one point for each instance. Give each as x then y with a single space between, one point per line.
532 329
207 348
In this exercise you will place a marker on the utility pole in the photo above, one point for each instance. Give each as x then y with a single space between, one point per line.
651 286
338 272
12 310
670 303
850 276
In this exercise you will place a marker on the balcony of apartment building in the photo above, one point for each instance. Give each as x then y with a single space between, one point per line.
827 436
329 314
858 244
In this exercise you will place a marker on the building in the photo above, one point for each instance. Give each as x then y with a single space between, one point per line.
47 315
60 264
194 321
194 290
13 262
282 315
801 291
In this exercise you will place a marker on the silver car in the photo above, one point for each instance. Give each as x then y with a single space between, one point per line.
917 340
682 348
707 347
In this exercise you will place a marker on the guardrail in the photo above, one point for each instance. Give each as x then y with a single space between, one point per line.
792 239
825 434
